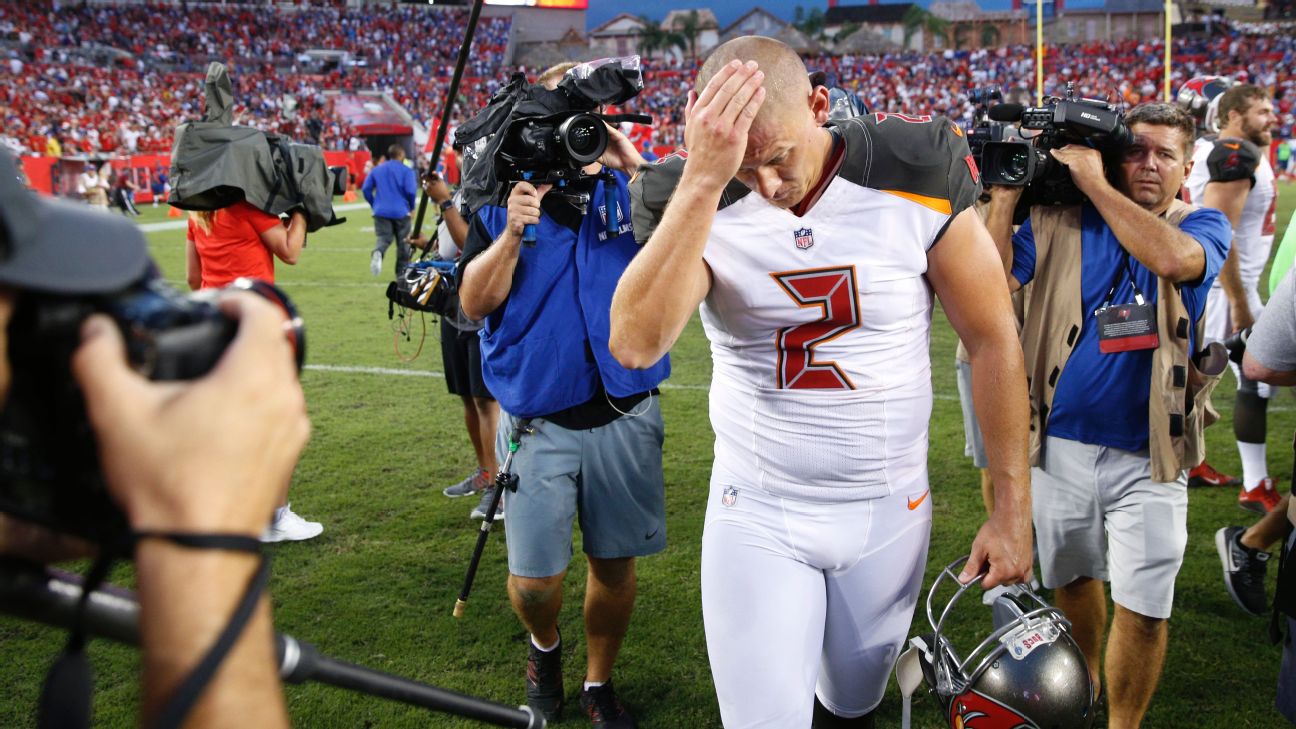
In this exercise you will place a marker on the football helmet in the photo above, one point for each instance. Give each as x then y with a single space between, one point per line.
1029 673
1200 96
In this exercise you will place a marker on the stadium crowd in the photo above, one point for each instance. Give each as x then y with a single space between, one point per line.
49 88
59 81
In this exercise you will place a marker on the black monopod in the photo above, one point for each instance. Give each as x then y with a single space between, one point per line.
505 479
449 106
50 596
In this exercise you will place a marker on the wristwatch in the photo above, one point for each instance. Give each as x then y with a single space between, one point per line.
445 205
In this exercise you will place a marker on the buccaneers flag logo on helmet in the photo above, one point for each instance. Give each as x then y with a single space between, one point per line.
972 710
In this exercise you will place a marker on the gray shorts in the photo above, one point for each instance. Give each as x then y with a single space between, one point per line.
608 477
973 445
1099 514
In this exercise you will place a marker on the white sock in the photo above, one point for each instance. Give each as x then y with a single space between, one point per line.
593 684
541 648
279 512
1254 466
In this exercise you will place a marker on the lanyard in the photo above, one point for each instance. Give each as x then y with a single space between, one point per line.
1126 268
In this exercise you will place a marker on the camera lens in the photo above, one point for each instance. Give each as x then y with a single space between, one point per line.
584 137
1017 166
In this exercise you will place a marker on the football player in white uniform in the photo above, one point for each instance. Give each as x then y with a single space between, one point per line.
813 251
1231 172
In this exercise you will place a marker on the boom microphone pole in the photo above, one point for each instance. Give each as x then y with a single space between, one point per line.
449 106
505 479
50 596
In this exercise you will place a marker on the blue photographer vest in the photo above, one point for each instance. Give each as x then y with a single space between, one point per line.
545 349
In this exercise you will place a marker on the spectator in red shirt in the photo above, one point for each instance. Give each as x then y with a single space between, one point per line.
241 241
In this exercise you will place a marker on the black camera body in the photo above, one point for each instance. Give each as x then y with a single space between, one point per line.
985 129
545 136
1059 122
49 464
551 149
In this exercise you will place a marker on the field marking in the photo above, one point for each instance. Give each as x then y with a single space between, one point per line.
392 372
184 222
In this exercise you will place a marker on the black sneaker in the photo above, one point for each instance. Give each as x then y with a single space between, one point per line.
601 705
544 690
1244 570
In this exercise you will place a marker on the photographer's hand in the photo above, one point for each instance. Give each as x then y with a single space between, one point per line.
208 456
211 455
621 154
436 188
524 206
1085 165
999 221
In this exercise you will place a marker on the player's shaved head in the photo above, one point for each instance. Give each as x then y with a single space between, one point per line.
787 84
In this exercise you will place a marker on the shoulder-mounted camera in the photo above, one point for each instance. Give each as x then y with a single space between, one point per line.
1059 122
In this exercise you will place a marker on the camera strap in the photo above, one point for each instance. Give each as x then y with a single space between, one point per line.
65 697
65 701
1126 327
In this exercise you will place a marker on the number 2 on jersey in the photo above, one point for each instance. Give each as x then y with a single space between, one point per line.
833 290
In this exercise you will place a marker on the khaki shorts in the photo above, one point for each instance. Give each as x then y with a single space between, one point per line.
1099 514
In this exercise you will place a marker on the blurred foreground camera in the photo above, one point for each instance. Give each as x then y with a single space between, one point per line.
49 464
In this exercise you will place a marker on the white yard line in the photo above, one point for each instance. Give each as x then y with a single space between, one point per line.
184 222
392 372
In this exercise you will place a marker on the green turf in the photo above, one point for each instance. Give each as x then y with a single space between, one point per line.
378 586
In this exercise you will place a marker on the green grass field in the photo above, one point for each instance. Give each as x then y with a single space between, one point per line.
378 586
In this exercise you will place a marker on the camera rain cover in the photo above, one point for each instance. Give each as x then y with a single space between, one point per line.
585 87
215 164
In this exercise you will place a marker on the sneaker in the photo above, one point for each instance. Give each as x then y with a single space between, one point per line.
1244 570
288 527
544 690
476 481
479 511
1262 499
1206 475
604 709
375 263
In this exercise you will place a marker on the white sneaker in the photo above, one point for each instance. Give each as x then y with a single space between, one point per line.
288 527
375 263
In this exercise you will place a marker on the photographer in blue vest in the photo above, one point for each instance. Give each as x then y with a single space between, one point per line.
593 446
1112 329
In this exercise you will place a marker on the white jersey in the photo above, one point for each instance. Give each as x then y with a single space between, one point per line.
819 325
1224 159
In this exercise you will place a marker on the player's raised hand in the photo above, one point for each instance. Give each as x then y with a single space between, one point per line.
716 122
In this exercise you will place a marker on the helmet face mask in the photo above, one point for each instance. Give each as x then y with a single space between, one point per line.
1028 673
1200 97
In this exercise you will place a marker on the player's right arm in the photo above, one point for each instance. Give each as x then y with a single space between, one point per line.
1232 165
668 278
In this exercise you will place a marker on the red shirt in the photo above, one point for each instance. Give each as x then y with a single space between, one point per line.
233 248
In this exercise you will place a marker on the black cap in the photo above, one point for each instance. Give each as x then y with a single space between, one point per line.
61 247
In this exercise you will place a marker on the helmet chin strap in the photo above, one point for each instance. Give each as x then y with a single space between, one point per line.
909 676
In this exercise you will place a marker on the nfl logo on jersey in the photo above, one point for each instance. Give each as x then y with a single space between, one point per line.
730 496
804 238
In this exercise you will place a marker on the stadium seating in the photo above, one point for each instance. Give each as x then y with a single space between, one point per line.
119 78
